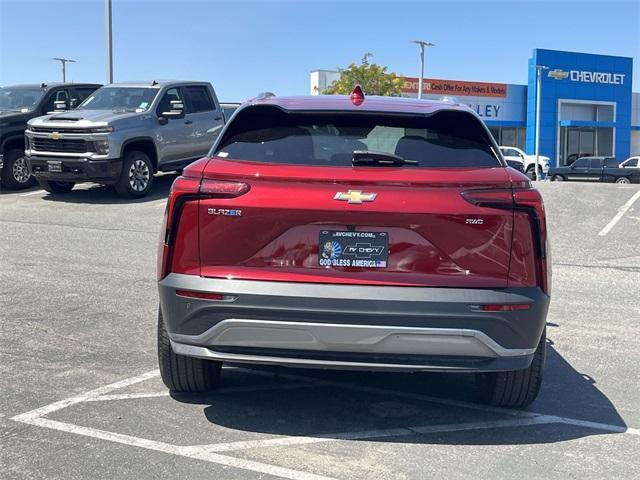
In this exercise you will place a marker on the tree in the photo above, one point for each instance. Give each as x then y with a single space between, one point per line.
373 78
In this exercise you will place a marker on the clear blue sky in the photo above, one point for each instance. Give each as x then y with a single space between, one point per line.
248 47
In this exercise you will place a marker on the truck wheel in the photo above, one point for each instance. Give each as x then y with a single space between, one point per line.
623 180
557 178
136 178
516 388
15 173
184 374
531 172
56 187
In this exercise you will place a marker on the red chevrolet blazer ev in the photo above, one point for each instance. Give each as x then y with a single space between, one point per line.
355 233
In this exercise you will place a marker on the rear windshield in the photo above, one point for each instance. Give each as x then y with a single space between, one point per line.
265 133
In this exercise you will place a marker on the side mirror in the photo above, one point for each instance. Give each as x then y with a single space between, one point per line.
60 106
177 110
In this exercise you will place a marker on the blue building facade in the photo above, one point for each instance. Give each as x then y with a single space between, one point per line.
585 105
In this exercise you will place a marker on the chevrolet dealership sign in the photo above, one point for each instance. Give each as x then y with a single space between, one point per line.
606 78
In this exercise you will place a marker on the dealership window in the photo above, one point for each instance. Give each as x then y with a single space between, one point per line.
509 136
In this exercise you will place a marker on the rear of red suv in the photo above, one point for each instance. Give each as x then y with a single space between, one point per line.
384 234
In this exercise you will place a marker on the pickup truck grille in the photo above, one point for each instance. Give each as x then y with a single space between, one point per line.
64 145
58 130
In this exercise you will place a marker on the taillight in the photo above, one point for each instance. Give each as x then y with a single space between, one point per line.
183 190
223 189
530 201
490 198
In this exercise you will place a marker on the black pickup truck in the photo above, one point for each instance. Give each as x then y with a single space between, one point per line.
20 103
595 169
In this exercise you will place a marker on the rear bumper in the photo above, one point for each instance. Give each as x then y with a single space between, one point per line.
76 169
363 327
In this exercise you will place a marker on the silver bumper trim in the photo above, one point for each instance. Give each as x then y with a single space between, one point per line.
330 337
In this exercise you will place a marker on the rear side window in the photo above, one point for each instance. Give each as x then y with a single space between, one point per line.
198 99
611 162
264 133
583 163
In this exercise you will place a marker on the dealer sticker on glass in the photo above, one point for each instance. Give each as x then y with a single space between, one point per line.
353 249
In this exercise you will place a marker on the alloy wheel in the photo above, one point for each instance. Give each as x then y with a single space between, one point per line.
21 172
139 174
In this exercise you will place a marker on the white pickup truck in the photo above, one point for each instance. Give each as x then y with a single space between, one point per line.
514 153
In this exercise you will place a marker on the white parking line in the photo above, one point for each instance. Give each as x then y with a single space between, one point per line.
243 388
390 432
176 450
474 406
208 452
620 214
33 193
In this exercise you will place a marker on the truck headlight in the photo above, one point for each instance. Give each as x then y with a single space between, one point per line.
107 129
102 147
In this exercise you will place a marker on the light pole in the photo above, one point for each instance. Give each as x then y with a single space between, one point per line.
108 39
539 70
422 45
63 62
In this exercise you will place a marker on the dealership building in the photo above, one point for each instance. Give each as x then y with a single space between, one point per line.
586 104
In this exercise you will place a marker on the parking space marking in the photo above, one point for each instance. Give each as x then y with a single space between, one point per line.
33 193
175 450
67 402
362 435
243 388
210 453
621 211
475 406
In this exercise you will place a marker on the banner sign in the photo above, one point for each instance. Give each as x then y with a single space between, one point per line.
454 87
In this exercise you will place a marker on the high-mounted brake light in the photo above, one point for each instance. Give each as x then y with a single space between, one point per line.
357 96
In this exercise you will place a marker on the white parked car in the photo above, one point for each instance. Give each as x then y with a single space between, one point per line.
514 153
631 162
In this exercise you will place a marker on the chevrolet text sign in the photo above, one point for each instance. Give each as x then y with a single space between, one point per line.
606 78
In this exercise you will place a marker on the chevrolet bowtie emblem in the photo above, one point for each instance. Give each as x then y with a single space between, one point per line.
355 196
54 135
558 74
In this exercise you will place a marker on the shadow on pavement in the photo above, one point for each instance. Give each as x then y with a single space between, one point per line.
320 409
105 194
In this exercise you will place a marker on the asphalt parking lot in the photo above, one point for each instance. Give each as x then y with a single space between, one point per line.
81 396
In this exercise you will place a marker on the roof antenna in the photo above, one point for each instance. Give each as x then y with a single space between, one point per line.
357 96
43 85
154 83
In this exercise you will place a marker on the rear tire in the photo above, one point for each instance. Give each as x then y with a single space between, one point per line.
623 180
136 178
557 178
56 187
15 172
516 388
184 374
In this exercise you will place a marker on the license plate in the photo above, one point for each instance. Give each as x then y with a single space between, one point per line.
353 249
54 166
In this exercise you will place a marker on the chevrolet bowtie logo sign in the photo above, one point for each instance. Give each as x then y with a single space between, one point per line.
355 196
558 74
54 136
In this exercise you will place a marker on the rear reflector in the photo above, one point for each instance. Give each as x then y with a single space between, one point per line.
222 189
204 295
505 308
